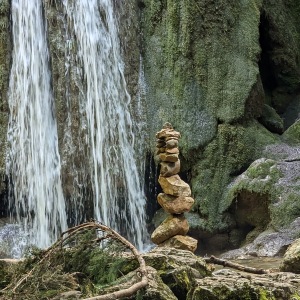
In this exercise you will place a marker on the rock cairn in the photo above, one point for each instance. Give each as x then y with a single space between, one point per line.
176 197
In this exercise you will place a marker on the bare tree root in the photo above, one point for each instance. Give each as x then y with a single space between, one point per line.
226 263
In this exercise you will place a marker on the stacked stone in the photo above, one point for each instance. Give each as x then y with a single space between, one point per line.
176 197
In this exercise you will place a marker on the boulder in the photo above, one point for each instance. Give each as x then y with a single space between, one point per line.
170 227
175 205
181 242
173 185
291 259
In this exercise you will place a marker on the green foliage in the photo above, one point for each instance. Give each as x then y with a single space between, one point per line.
285 210
83 262
266 295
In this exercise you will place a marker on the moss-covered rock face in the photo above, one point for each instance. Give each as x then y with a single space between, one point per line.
212 70
200 64
225 157
280 40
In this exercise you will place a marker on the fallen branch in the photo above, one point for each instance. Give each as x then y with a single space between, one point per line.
226 263
107 232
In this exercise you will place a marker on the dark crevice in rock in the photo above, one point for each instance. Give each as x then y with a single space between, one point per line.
251 213
4 200
151 188
141 4
265 64
240 171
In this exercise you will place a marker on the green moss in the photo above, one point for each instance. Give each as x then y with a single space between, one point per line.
188 64
228 154
285 209
266 295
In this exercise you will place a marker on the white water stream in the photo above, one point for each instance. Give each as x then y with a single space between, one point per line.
118 197
33 160
33 163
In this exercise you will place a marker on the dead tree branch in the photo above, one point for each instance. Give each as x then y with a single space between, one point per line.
107 232
226 263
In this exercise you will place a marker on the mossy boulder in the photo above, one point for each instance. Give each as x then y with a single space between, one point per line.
228 155
271 120
291 259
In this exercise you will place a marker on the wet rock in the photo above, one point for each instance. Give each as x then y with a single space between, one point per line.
170 227
175 205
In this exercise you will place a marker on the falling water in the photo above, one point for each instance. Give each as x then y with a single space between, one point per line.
118 198
33 164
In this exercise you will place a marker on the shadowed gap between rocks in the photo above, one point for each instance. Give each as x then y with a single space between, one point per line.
250 210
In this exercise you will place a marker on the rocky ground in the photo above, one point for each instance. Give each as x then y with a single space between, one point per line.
179 274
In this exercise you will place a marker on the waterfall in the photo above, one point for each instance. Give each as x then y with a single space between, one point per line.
118 201
33 161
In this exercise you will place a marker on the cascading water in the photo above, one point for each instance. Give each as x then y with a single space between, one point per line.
118 198
33 163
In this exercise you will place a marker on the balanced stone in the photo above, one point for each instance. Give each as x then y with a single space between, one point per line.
172 133
171 138
167 133
173 185
172 151
168 169
160 150
175 205
173 225
181 242
160 143
172 143
168 157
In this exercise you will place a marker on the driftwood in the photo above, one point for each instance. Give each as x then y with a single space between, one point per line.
226 263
